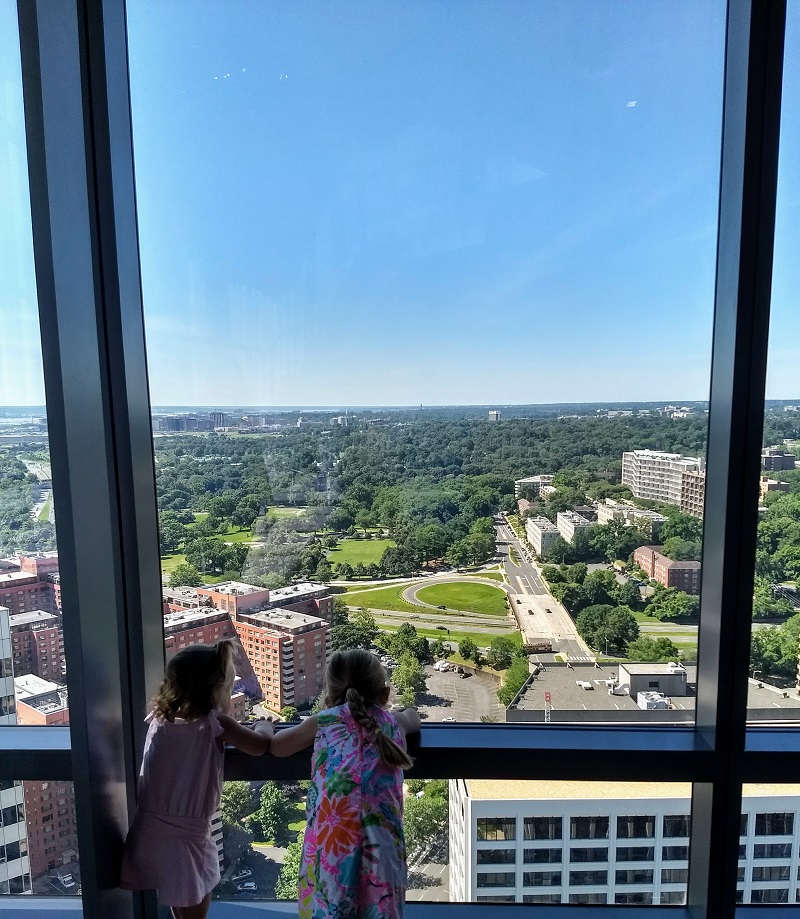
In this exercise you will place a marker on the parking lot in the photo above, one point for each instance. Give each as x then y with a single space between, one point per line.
450 697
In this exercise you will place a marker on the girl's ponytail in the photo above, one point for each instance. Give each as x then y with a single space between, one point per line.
390 752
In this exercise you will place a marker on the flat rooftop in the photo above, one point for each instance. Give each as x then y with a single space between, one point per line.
34 617
196 615
234 588
295 591
32 685
557 790
563 684
10 578
281 619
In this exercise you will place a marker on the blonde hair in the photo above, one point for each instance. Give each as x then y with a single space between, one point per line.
195 681
359 679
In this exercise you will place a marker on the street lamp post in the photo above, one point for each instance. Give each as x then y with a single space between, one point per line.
606 647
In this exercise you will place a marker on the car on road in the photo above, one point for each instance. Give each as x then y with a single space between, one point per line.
441 606
449 719
464 674
247 887
242 875
547 609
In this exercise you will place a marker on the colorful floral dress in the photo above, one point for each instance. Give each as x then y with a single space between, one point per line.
354 854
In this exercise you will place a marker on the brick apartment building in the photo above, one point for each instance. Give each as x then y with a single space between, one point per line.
42 564
23 592
685 576
283 634
49 806
37 644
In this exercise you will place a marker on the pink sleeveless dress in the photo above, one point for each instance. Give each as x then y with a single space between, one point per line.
169 847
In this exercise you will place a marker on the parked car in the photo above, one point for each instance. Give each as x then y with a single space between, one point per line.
247 887
242 875
449 719
464 674
441 606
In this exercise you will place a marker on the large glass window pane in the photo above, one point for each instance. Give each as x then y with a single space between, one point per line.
327 237
32 666
773 679
768 852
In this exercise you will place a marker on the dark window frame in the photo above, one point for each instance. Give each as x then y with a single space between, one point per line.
77 104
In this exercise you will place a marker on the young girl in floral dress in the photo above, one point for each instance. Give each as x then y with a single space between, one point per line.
354 858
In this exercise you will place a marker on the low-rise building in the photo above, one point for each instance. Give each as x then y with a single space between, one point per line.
630 515
22 592
533 482
767 485
572 526
523 505
682 575
774 460
541 533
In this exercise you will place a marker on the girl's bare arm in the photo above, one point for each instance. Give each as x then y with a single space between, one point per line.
408 720
291 740
254 741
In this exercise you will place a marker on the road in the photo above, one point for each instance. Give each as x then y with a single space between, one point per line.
540 615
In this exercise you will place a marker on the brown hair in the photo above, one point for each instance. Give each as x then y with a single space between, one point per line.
359 679
194 681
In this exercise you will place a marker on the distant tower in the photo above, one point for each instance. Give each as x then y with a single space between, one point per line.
494 415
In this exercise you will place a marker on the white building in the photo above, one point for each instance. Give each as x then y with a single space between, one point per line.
629 515
534 482
658 476
541 533
607 842
15 870
571 525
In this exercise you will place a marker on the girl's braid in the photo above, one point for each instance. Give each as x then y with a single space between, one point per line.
362 714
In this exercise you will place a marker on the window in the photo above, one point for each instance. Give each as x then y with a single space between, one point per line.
678 825
770 895
771 873
635 876
542 856
496 829
496 856
634 898
541 898
496 898
496 879
772 850
588 878
635 853
774 824
636 827
587 898
674 875
588 828
541 879
673 897
541 828
589 855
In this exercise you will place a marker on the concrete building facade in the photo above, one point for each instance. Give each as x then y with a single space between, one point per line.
629 515
776 460
533 482
541 533
658 476
572 526
607 842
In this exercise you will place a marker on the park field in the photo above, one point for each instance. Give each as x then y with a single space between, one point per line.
481 639
466 597
279 513
382 598
359 551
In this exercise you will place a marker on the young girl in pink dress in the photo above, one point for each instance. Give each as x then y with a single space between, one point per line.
169 847
354 858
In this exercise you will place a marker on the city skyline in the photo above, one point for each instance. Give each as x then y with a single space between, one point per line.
514 212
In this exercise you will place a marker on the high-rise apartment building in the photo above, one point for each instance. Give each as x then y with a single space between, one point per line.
37 644
660 476
608 842
15 870
50 805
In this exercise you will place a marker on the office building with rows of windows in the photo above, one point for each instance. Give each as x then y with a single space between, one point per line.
608 843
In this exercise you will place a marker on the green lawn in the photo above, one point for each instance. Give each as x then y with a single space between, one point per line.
278 512
467 597
481 639
359 551
233 534
171 561
491 575
44 513
382 598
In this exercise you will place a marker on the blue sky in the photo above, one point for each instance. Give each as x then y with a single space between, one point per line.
427 202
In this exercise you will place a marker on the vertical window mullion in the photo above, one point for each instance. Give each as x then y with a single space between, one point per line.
748 182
